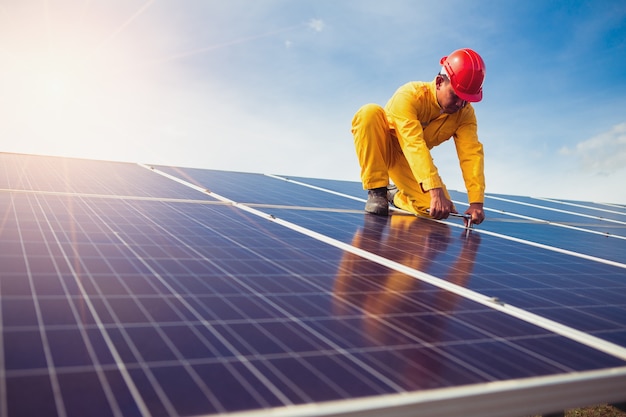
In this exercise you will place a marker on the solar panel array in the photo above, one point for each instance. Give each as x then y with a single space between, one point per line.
133 290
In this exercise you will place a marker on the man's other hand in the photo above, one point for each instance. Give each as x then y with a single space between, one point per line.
440 206
477 212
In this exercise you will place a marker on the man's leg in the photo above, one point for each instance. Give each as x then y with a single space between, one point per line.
372 142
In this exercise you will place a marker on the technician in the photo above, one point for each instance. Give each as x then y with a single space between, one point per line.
394 143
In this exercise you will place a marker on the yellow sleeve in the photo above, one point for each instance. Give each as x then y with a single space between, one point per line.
404 110
471 156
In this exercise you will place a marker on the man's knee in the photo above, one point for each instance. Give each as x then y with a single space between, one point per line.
371 110
368 114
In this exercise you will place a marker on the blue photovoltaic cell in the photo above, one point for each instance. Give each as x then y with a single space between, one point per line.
552 283
68 175
175 304
346 187
580 208
583 294
563 213
209 286
581 241
598 245
516 273
585 210
260 189
616 224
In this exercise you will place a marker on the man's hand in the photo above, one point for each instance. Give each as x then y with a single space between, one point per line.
476 211
440 206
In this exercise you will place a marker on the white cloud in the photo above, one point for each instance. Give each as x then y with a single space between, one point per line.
603 154
316 24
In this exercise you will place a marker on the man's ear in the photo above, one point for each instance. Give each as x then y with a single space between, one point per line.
439 81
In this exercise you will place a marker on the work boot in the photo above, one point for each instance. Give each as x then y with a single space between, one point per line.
377 201
392 190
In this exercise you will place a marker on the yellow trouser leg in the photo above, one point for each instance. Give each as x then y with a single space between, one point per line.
372 141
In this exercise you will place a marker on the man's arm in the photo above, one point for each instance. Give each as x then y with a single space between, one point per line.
410 105
471 160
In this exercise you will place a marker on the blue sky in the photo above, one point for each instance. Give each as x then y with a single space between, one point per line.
270 86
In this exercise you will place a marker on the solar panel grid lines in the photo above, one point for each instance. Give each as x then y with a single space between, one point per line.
620 206
548 324
459 198
199 317
559 224
485 300
112 197
617 247
440 402
563 211
286 313
556 249
60 409
604 211
252 189
583 227
304 184
604 231
525 241
599 207
598 245
72 175
212 303
277 307
120 365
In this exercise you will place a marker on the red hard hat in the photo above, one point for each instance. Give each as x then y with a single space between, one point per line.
466 71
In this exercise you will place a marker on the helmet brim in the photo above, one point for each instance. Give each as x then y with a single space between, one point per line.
472 98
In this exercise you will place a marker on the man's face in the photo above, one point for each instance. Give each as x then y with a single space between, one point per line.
448 100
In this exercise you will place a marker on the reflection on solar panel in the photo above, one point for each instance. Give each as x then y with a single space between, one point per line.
129 290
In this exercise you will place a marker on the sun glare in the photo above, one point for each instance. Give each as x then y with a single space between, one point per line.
56 87
66 80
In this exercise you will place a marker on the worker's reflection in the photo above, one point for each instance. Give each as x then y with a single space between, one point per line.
399 299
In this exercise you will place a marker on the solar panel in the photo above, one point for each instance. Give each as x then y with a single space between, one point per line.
134 290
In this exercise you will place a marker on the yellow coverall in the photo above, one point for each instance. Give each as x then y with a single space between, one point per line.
394 143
